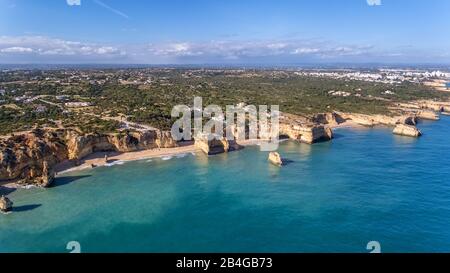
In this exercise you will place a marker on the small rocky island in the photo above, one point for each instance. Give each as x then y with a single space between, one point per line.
6 204
275 159
407 130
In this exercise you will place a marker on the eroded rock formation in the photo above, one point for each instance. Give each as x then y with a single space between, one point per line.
5 204
332 119
310 133
211 145
30 158
407 130
275 159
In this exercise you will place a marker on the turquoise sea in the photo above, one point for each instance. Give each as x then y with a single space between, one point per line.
365 185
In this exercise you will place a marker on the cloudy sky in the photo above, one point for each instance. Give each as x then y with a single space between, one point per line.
224 31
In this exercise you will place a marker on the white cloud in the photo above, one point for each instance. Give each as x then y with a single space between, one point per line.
45 46
374 2
73 2
29 49
253 49
305 50
16 49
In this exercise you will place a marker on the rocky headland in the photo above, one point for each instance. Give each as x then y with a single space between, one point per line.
30 158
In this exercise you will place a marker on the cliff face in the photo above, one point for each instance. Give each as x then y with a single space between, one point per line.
308 134
81 146
428 115
331 119
373 120
212 146
30 158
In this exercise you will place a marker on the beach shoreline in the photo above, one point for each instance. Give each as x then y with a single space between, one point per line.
97 159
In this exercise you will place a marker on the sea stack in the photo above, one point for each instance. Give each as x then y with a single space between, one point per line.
5 204
212 145
48 176
275 159
407 130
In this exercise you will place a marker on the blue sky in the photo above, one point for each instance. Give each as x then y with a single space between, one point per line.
224 31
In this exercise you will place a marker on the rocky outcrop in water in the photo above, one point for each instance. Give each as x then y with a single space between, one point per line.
5 204
212 145
407 130
275 159
30 158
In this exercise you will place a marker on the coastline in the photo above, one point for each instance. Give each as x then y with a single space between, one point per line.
97 159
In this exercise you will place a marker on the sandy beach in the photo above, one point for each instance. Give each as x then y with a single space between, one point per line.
98 159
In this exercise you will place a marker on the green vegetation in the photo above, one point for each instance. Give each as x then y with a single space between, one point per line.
148 96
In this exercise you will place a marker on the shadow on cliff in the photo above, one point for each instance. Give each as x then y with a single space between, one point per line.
26 208
63 181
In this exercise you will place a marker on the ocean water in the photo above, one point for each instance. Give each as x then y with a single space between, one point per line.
366 185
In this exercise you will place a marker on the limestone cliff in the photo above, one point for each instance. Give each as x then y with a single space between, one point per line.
428 115
374 120
306 133
30 158
332 119
212 146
